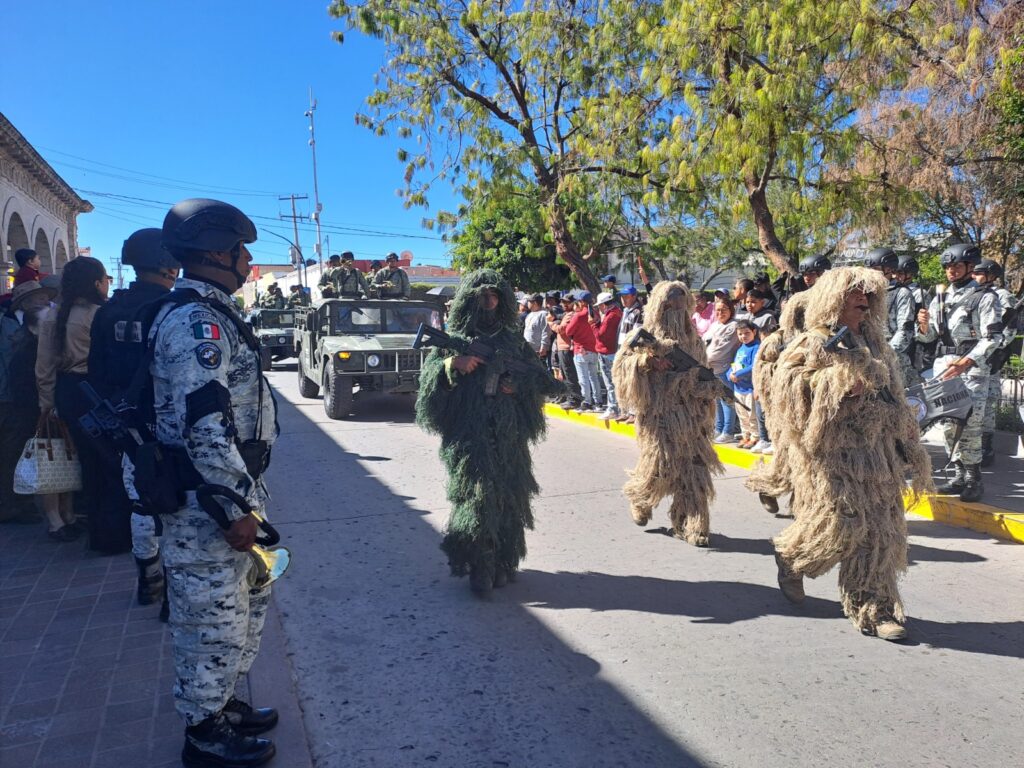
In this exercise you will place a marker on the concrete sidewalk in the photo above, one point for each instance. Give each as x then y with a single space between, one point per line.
86 673
1002 517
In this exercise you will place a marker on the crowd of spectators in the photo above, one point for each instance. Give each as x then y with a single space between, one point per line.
578 336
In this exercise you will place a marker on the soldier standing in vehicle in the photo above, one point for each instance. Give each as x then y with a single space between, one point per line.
297 297
116 351
327 273
966 320
215 413
392 282
348 281
901 310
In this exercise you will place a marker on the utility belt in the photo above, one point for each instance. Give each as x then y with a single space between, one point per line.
962 348
165 473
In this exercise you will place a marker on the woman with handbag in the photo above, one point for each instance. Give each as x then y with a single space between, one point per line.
61 366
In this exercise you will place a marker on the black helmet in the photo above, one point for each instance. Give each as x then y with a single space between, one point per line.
960 253
144 250
206 225
909 265
989 267
815 264
881 258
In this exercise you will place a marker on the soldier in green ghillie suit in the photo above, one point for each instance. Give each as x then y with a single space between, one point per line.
485 438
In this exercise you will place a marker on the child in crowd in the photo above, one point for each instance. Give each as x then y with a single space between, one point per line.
741 376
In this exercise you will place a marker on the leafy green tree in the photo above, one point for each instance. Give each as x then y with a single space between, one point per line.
490 91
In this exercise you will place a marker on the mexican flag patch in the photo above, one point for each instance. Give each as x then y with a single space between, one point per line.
206 331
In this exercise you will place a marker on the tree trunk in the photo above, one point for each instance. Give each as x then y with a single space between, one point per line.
771 246
567 250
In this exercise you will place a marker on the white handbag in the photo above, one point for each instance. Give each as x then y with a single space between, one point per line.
48 464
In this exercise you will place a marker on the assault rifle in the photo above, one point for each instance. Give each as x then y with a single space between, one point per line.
104 422
845 336
682 361
498 361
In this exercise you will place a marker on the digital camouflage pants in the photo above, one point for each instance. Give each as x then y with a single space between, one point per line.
216 623
968 450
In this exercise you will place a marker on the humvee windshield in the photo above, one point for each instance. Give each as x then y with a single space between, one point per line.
276 319
371 320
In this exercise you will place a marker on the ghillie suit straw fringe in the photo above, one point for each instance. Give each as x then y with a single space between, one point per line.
772 478
675 415
848 454
485 440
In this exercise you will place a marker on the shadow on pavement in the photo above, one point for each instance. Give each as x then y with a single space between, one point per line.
729 602
397 663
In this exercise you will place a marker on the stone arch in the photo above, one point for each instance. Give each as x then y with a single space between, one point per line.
17 237
42 247
60 256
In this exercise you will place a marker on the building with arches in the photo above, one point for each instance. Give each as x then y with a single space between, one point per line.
38 209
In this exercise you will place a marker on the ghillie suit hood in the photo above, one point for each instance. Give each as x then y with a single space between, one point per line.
772 477
675 415
849 453
485 440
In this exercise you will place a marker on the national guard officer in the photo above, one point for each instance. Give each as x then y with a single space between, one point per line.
922 356
297 297
349 282
901 309
813 267
215 412
986 273
116 351
965 318
392 282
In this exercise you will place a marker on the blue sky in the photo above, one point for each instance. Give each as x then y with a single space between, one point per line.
211 94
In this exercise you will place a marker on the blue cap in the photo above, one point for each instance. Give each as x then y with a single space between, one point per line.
581 296
627 290
608 278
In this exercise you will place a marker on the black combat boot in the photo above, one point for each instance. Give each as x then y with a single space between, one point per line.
973 489
988 451
213 743
151 580
770 503
791 584
247 719
481 574
956 484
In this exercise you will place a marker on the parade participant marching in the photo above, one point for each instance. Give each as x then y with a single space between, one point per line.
487 416
348 281
770 481
215 415
115 353
901 310
967 321
987 272
851 440
392 282
675 417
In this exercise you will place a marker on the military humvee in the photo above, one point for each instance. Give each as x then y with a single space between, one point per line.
275 329
353 346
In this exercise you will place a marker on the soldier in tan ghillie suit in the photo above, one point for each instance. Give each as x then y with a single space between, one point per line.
851 440
675 416
770 480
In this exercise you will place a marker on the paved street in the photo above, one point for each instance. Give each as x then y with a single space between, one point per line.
617 647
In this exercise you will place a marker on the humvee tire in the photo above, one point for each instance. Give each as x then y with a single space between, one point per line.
307 388
337 395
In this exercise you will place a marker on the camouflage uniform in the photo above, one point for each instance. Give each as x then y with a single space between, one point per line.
399 287
902 310
349 282
975 334
1007 301
216 621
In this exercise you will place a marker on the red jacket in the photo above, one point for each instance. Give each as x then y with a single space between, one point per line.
608 331
577 329
26 274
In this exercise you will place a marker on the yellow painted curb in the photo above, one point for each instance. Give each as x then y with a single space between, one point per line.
1000 523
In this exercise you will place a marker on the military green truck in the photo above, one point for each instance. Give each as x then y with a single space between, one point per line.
275 329
348 347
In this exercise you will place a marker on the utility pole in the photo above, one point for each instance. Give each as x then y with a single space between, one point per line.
295 228
317 208
120 278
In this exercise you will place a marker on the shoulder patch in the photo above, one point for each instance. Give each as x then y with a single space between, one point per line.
206 331
208 355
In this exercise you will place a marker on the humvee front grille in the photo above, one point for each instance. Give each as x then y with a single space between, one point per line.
409 361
